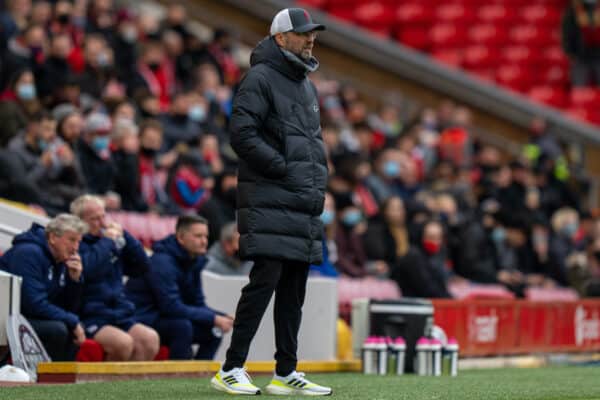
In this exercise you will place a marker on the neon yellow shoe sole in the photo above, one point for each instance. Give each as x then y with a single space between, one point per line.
281 389
249 390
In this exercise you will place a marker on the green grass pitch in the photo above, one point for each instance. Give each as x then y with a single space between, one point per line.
560 383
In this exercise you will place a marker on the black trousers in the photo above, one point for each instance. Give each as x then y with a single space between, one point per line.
288 280
56 338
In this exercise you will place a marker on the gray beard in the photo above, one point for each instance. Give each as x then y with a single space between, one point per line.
311 64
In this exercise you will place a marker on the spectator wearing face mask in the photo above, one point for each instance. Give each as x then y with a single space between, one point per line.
94 154
352 259
420 273
155 73
17 104
181 124
330 253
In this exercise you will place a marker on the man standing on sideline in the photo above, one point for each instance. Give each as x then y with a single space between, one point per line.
49 262
276 133
169 297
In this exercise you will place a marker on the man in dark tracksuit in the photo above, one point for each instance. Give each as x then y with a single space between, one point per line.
109 252
48 261
169 297
276 133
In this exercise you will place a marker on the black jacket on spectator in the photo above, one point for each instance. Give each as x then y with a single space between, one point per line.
379 242
275 131
573 40
477 261
179 129
53 74
127 181
99 173
417 276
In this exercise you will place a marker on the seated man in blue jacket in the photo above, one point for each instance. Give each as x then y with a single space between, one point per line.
48 261
108 252
170 297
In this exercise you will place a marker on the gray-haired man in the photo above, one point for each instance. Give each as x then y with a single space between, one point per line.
49 262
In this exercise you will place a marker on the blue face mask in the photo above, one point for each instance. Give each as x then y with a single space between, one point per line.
570 229
26 91
498 235
352 218
327 217
391 169
197 113
42 145
100 143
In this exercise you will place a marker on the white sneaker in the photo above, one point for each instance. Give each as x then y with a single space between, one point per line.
236 381
296 383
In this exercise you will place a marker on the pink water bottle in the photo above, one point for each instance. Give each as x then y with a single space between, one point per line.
423 357
451 350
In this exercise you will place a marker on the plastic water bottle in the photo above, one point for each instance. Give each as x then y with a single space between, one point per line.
399 353
436 356
369 356
382 356
451 350
423 357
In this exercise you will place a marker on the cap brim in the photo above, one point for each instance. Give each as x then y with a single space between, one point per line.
309 28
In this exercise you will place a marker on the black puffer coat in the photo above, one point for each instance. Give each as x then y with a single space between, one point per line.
275 131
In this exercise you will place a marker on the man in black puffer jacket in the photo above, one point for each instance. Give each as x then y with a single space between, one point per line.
275 131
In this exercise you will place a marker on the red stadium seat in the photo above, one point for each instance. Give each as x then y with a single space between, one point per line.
587 115
375 15
554 55
488 35
409 14
521 55
445 36
554 75
540 14
480 57
551 294
455 14
514 77
472 291
497 14
417 38
451 58
585 97
532 36
90 351
549 95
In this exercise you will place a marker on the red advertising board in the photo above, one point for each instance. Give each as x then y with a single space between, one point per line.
492 327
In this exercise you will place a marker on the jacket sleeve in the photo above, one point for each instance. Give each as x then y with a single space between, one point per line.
34 296
95 257
250 109
163 282
135 259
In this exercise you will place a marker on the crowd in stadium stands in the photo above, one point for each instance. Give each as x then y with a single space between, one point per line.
133 109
